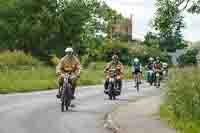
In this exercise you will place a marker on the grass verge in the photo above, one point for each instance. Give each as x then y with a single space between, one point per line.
181 107
182 126
27 79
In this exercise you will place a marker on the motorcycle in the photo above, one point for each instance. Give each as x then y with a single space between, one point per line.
150 76
112 85
165 73
66 92
157 79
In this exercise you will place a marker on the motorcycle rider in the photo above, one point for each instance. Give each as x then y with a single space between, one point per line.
158 67
137 69
114 64
150 64
150 67
68 64
165 68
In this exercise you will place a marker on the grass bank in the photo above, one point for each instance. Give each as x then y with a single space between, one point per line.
23 73
27 79
181 107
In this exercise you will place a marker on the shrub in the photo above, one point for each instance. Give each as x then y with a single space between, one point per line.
189 58
182 99
85 61
115 47
17 58
54 60
144 52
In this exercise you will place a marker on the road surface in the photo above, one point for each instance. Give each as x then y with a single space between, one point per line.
39 112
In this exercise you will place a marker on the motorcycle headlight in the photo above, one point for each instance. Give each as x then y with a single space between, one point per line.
111 79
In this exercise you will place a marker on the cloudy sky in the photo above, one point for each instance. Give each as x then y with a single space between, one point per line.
143 11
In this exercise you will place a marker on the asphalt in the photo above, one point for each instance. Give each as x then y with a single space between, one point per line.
141 116
40 112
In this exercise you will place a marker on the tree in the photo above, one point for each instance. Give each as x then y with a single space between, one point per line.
151 40
110 17
45 26
168 22
190 58
192 6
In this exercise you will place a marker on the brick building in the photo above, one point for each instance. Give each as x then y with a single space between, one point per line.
123 28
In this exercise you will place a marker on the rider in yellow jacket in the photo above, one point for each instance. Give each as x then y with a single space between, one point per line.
114 64
68 64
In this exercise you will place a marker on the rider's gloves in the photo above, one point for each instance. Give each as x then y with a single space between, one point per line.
74 76
62 75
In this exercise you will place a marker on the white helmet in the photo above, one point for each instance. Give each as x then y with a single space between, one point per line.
69 50
136 60
151 59
164 64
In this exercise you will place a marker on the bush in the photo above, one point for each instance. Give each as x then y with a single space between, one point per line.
91 77
85 61
17 58
144 52
189 58
115 47
54 60
182 98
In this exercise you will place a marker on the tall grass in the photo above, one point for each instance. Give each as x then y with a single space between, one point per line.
20 72
182 100
94 74
32 79
17 58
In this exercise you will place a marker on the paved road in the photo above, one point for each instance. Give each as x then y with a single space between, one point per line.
40 112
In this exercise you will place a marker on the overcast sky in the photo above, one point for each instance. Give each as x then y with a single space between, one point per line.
143 11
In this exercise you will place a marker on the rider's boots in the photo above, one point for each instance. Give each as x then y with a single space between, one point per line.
73 93
106 86
119 86
59 92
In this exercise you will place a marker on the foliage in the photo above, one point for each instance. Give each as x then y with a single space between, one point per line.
54 60
17 58
196 45
111 47
182 99
168 22
45 27
27 79
127 52
189 126
151 40
189 58
110 17
192 6
85 61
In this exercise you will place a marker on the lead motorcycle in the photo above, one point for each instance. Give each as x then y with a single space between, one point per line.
66 92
